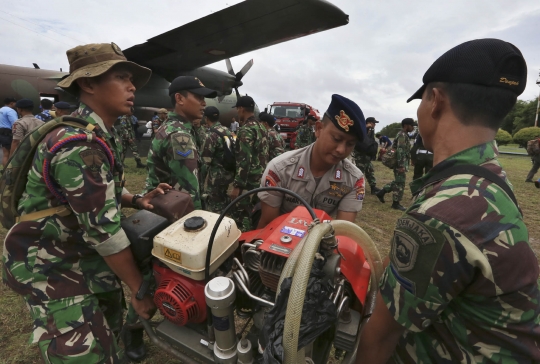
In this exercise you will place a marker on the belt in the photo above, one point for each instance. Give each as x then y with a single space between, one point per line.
423 151
6 131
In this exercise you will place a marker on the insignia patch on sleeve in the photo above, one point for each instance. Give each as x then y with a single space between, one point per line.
269 182
404 251
93 159
183 147
360 187
274 175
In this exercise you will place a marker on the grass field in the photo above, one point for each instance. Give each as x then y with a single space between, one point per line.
376 218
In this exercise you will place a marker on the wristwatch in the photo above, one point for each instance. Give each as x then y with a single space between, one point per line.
134 200
143 290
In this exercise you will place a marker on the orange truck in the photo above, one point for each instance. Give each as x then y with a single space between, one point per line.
290 116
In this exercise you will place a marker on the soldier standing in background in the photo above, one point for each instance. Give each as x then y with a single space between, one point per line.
251 159
199 132
173 157
276 144
45 114
8 116
62 108
403 154
462 282
160 120
306 133
128 139
213 171
421 158
25 124
365 151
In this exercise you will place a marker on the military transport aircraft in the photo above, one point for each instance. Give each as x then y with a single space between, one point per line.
241 28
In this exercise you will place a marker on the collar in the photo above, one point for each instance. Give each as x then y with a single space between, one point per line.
334 174
173 116
28 116
477 155
86 113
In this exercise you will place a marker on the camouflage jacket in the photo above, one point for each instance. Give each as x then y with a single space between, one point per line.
125 129
276 144
403 150
173 158
305 136
212 157
200 136
57 257
251 153
462 278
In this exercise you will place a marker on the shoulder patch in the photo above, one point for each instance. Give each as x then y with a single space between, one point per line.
93 159
183 146
360 187
404 252
274 175
416 228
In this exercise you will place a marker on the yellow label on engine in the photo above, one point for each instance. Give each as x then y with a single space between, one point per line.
172 255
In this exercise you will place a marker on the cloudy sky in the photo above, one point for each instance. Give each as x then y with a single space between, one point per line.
378 59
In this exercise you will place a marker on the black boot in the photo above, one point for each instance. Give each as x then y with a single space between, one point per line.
380 195
374 190
529 180
140 165
397 206
134 344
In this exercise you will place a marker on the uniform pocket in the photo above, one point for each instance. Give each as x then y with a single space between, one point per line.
183 146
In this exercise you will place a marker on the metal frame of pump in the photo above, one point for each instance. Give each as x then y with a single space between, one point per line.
220 291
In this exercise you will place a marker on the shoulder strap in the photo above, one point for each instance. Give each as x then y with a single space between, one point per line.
474 170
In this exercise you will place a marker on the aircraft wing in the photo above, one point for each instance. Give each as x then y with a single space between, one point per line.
241 28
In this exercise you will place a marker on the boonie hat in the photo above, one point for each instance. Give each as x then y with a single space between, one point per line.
371 119
95 59
162 111
245 101
485 62
211 111
408 121
347 116
62 105
191 84
24 104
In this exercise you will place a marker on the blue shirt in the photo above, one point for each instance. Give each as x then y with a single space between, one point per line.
7 117
384 140
45 115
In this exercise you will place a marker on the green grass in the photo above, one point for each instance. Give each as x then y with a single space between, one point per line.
376 218
513 148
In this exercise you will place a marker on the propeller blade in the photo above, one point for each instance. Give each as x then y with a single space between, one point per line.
220 98
237 93
244 70
229 67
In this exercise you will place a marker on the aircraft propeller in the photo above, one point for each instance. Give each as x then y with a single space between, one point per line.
239 75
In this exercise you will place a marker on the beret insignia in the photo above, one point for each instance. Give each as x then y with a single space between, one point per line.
344 120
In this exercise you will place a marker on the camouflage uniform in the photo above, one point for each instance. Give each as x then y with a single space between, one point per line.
305 136
173 158
128 139
56 262
251 159
403 154
363 162
218 178
275 143
200 136
463 278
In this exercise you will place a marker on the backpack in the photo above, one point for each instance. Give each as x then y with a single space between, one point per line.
229 160
13 180
533 147
389 158
45 117
368 147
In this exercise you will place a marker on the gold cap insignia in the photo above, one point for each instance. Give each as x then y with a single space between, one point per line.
344 120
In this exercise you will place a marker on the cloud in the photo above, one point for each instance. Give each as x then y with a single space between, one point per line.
378 59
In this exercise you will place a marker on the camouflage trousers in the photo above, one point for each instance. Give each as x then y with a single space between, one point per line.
242 211
397 185
534 169
80 329
217 198
364 164
134 150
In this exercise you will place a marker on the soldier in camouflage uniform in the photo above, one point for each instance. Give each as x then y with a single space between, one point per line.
403 154
363 158
213 172
251 159
128 139
199 132
462 285
276 144
306 133
173 157
67 264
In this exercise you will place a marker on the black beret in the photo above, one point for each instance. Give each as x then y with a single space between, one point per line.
485 62
24 104
62 105
191 84
347 116
408 121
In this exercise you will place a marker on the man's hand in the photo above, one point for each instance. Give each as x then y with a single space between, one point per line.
144 203
145 307
235 193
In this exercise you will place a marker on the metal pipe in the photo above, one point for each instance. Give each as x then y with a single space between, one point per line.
163 344
243 271
251 295
341 305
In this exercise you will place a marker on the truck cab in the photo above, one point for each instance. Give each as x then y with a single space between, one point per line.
290 116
